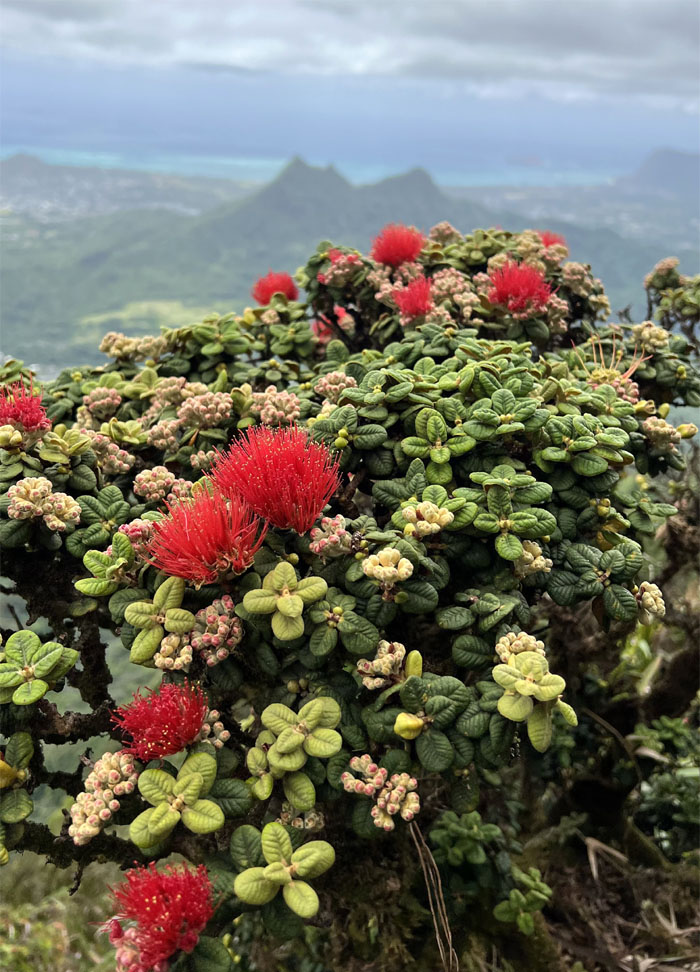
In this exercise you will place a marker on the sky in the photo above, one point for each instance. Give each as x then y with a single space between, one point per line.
462 87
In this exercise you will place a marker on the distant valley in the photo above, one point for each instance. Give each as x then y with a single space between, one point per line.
89 250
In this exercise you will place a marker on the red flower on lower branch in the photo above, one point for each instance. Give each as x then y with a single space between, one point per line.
206 537
21 407
274 283
519 287
282 474
170 909
163 722
415 299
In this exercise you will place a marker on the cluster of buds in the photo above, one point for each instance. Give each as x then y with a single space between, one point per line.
112 776
385 668
661 434
513 644
331 539
123 348
394 796
174 654
213 731
163 435
343 268
102 403
454 289
577 278
111 458
665 274
444 233
333 384
311 820
426 518
11 439
557 314
171 391
216 631
34 497
203 460
651 602
274 407
154 484
385 280
531 561
387 567
650 336
139 533
205 411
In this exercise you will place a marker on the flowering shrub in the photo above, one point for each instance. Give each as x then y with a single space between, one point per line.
345 551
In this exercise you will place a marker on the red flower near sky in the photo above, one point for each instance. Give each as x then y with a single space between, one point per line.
520 288
274 283
202 538
415 299
22 408
281 473
170 908
162 722
397 244
551 239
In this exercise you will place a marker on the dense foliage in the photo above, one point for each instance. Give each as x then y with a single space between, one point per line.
346 530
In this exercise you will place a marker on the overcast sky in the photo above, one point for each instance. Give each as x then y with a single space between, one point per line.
629 66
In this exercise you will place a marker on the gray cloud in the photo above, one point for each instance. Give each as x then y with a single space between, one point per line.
644 49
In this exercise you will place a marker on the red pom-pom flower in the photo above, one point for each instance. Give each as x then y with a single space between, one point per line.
203 538
519 287
282 474
21 407
397 244
162 722
551 239
274 283
170 908
415 299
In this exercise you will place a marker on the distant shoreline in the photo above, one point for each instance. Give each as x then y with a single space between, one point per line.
258 171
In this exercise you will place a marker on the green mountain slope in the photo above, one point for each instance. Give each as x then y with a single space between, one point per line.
55 275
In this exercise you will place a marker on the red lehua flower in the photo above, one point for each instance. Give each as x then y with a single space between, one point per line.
415 299
281 473
551 239
170 907
162 722
22 408
322 329
397 244
274 283
211 534
519 287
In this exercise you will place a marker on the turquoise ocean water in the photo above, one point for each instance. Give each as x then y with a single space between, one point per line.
262 169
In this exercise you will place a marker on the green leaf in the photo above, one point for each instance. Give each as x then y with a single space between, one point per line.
203 817
299 791
179 621
311 589
278 717
323 743
539 728
515 707
210 955
233 796
434 751
19 750
253 887
276 845
30 692
357 634
301 898
453 618
508 546
203 764
313 858
286 629
145 645
260 602
246 847
169 595
96 587
619 603
155 785
142 614
15 806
